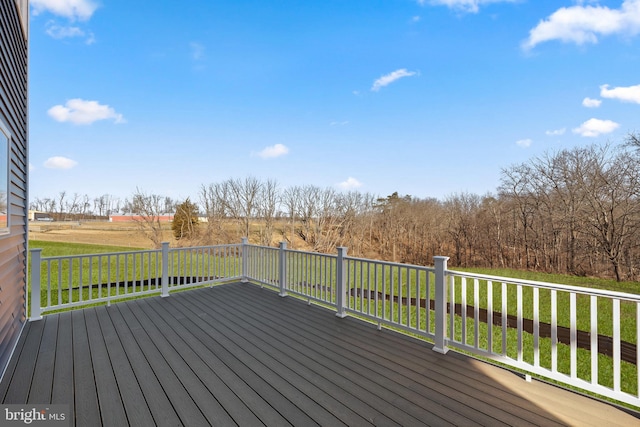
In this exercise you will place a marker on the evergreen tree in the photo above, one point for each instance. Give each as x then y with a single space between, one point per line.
185 220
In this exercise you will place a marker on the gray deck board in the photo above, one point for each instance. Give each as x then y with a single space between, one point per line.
399 373
42 383
336 355
133 400
329 378
180 399
109 399
202 397
19 388
240 355
158 401
269 386
87 411
62 389
182 342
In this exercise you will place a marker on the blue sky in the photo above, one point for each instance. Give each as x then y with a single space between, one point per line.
424 97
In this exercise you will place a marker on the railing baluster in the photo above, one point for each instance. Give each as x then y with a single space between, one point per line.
504 318
519 310
408 293
536 327
594 338
80 279
48 264
489 316
554 331
573 335
399 295
476 313
463 308
616 345
60 261
427 320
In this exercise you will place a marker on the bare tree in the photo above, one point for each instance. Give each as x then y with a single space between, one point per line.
307 212
612 186
268 201
290 201
105 205
147 210
213 199
242 201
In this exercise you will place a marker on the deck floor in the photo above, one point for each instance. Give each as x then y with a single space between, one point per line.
240 355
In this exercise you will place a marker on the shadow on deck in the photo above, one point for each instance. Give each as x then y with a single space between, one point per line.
237 354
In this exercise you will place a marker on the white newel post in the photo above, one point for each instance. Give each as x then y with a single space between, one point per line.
341 281
282 269
440 263
245 260
36 313
165 269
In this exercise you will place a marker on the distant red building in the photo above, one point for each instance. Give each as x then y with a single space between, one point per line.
131 218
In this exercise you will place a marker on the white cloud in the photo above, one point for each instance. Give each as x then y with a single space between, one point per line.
197 50
390 78
350 184
524 143
472 6
59 162
625 94
81 112
416 18
31 167
273 151
584 24
556 132
591 103
72 9
596 127
343 123
61 32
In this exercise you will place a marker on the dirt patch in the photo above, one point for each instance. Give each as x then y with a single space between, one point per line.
94 233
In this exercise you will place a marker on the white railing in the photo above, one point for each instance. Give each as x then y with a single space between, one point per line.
583 337
543 329
70 281
550 330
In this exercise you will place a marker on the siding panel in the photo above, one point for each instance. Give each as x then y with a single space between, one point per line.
13 116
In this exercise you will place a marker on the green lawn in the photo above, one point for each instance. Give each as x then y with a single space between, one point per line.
89 272
63 249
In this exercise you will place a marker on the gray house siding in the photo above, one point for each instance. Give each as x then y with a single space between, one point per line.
13 122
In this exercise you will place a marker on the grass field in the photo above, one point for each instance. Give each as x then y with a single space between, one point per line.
53 248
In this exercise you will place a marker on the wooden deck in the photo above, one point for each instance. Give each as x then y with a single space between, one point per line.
240 355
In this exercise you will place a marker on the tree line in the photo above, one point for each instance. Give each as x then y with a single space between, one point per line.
573 211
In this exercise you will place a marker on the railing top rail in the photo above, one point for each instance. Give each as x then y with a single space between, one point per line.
192 248
548 285
264 247
104 254
310 253
389 263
